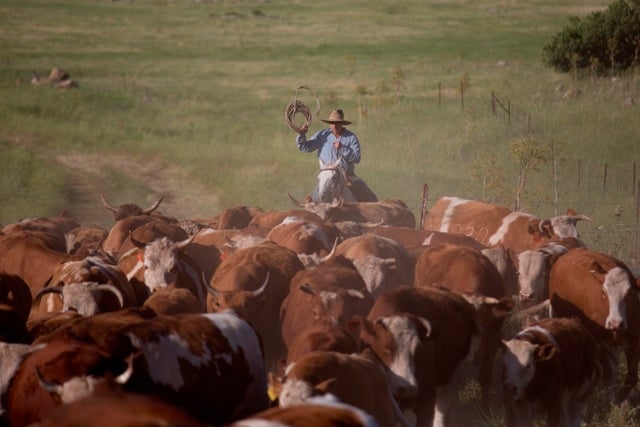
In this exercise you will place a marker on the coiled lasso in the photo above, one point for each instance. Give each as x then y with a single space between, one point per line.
298 107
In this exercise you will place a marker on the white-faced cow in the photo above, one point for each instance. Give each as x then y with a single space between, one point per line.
355 379
602 292
550 369
494 225
422 335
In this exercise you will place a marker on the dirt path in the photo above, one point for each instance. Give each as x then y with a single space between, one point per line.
89 176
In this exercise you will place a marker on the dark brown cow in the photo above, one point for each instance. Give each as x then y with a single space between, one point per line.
494 225
237 218
173 301
332 292
208 364
119 409
13 328
322 337
355 379
53 227
471 274
422 335
128 209
85 240
383 263
239 284
384 212
602 292
550 369
314 412
15 292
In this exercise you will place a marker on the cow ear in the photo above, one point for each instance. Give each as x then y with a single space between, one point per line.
427 326
545 352
546 229
598 270
325 386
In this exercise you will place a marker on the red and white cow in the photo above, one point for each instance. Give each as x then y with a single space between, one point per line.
550 369
494 225
601 291
357 379
211 365
422 335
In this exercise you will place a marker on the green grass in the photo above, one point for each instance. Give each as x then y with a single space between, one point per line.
204 85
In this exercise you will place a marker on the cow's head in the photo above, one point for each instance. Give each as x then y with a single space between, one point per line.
128 209
616 284
396 340
241 301
533 275
336 305
565 225
161 261
87 298
519 364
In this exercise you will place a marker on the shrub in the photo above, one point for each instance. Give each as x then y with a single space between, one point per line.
605 42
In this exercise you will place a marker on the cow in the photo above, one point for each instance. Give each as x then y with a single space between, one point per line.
383 263
422 335
173 301
601 291
85 240
166 265
13 327
269 219
322 337
356 379
332 292
11 357
237 218
535 265
471 274
77 367
121 409
209 364
128 209
310 240
494 225
383 212
254 282
27 257
320 411
89 286
15 292
55 227
543 375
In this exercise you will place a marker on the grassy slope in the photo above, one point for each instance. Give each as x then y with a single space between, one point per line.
204 85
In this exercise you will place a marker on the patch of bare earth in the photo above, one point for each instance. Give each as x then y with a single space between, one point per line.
90 173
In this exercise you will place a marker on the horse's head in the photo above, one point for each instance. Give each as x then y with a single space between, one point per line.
332 184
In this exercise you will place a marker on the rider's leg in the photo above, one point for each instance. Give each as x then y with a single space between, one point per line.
361 190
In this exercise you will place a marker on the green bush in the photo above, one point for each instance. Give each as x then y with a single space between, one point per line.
603 42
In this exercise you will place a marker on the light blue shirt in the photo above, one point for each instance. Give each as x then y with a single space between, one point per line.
323 142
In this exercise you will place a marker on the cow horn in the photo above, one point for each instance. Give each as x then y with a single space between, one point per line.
307 289
49 386
153 207
124 377
136 242
296 202
184 243
261 289
47 290
328 256
213 291
355 293
116 291
106 203
372 225
582 217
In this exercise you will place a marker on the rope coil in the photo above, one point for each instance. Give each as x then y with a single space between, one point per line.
299 107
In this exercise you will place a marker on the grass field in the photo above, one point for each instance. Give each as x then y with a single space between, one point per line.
197 91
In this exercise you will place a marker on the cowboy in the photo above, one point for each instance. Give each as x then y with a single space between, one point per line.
337 144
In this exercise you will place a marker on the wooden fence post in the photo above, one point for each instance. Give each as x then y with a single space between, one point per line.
637 230
493 102
439 93
604 178
423 204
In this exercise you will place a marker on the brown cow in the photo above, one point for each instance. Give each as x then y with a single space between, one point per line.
240 284
15 292
310 240
119 409
422 335
551 366
602 292
355 379
494 225
128 209
383 263
384 212
468 272
322 337
332 292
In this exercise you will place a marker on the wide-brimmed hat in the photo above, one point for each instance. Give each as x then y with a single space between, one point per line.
337 116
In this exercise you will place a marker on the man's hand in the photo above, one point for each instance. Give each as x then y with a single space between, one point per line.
336 144
303 129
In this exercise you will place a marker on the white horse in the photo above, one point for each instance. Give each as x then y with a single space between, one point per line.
332 184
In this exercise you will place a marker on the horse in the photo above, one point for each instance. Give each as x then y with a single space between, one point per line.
333 184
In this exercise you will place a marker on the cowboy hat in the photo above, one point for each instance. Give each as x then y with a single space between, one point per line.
337 116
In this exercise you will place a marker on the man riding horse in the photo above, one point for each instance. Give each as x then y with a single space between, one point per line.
338 152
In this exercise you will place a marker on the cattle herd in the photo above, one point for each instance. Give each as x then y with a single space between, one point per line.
329 314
